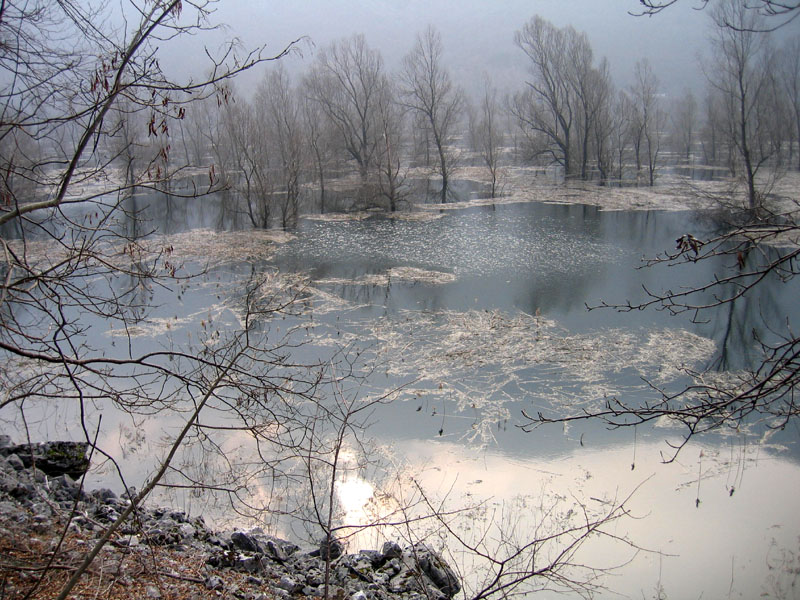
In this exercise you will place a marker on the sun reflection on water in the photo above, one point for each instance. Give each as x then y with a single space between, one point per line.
353 492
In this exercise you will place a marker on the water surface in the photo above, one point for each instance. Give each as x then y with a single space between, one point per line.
478 314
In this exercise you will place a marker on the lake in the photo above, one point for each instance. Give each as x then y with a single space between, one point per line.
476 314
533 268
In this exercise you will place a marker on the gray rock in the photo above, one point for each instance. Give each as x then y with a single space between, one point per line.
416 573
22 491
392 550
375 558
186 530
178 516
65 489
15 462
405 581
128 541
314 577
290 584
104 495
437 569
330 548
106 513
393 566
249 563
245 541
359 565
276 551
54 458
214 582
5 441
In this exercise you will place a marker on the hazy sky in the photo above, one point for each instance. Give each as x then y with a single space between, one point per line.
478 34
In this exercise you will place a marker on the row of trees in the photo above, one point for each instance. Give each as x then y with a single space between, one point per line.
349 133
751 120
571 112
73 112
344 124
348 129
235 411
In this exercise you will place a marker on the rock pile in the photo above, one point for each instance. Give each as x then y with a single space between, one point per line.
269 567
53 458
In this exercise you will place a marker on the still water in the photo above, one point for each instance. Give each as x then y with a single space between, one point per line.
477 314
493 320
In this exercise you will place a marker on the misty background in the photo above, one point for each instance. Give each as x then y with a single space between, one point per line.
477 35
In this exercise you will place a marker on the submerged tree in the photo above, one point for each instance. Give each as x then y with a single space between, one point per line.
741 71
648 118
73 276
279 106
391 123
486 133
684 124
429 91
346 82
566 93
765 393
545 110
789 74
757 241
243 158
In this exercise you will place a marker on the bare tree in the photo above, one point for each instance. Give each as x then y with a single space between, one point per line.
684 124
320 136
76 80
713 126
487 134
593 89
391 172
621 129
278 104
781 12
789 66
63 257
429 92
752 247
766 393
497 557
243 155
545 109
565 95
649 117
740 71
345 81
609 133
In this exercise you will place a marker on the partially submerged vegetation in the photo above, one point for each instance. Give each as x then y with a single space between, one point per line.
89 145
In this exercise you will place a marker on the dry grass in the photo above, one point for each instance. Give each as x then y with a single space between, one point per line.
31 568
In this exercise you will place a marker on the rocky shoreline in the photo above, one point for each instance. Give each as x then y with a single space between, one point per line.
46 519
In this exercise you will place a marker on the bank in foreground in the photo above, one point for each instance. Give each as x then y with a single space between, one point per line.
48 524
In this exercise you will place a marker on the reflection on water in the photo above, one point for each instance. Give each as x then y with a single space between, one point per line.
480 314
728 545
510 332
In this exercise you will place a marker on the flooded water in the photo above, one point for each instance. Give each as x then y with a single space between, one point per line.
493 321
477 314
499 324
